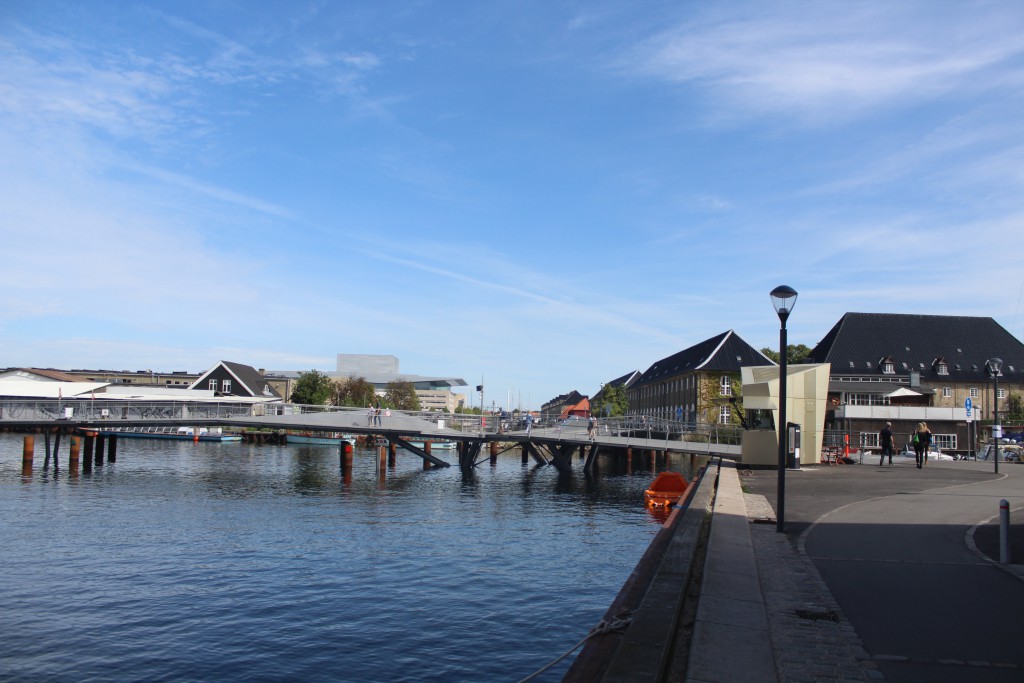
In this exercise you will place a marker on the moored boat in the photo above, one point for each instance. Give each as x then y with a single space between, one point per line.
665 490
329 439
177 433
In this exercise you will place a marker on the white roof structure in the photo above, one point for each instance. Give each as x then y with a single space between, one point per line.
30 388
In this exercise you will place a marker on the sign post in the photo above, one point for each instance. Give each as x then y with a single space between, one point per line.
969 407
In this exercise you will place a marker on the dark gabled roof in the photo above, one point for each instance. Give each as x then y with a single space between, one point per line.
246 375
856 344
726 352
626 381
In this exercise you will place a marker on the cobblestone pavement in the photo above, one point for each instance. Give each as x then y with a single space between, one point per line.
811 639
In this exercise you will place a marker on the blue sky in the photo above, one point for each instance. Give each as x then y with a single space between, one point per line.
547 195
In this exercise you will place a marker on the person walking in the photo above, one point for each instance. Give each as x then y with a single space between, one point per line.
922 439
529 423
885 441
591 426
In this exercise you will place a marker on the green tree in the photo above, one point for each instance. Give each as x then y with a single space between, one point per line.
354 391
795 353
401 396
1015 408
312 388
610 401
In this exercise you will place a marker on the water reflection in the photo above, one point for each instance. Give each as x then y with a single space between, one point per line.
235 562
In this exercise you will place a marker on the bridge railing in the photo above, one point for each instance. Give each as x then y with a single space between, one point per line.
14 410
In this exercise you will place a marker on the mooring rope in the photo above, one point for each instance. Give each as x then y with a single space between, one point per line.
616 624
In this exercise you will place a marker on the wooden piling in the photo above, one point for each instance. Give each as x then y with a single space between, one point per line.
27 453
494 453
392 453
112 449
56 450
76 447
629 460
90 445
426 449
100 441
382 460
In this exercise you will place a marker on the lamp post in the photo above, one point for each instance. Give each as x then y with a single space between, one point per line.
783 299
994 365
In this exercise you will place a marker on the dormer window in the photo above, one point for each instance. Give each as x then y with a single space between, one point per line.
942 368
888 367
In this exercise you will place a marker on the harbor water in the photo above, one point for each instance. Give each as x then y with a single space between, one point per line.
235 562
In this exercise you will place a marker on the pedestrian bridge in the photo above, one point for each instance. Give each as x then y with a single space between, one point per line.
553 444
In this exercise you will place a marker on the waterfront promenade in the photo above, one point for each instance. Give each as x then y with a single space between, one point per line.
883 573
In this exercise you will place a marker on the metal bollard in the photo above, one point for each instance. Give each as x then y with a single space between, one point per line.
1004 532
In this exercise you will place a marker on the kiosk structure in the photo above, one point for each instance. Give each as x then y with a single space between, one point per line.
806 397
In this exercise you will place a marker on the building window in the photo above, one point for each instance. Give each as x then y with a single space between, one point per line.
942 369
1001 393
726 385
888 368
869 439
213 385
974 392
945 441
724 415
946 392
227 386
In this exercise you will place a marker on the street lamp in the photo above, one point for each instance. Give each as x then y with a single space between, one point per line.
783 299
994 365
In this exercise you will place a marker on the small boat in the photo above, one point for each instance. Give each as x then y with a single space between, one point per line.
665 490
329 439
436 445
175 433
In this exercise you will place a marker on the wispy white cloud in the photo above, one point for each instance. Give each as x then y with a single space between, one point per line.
829 63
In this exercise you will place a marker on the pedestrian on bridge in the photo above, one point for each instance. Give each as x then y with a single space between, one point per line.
529 423
591 426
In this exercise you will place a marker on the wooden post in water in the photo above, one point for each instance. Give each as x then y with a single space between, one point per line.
46 447
112 449
56 450
27 453
382 461
494 453
629 460
90 444
100 440
526 455
654 459
76 447
426 448
392 453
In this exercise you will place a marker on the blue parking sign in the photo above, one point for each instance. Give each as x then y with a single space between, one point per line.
967 407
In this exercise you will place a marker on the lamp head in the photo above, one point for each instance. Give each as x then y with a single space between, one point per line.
783 299
994 365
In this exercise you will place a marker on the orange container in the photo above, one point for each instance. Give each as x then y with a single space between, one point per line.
665 489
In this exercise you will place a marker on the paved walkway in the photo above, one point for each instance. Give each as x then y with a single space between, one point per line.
882 572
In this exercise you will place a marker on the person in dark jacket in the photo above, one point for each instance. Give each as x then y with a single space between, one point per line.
922 440
885 441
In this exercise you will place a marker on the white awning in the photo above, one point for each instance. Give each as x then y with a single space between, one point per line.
903 391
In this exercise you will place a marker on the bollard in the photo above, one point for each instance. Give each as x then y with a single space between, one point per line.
1004 532
27 452
76 448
